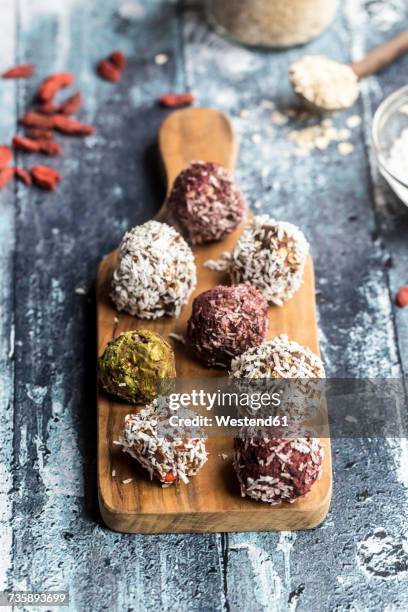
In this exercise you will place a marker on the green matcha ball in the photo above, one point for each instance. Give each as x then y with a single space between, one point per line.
133 365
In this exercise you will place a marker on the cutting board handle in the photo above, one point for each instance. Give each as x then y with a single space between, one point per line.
193 134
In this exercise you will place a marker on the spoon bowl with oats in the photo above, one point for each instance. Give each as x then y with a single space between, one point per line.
325 85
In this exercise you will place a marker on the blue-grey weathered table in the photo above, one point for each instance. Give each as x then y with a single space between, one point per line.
51 536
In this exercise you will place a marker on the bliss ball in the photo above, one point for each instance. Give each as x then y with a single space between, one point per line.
205 203
271 255
227 321
278 358
134 364
274 470
169 454
155 274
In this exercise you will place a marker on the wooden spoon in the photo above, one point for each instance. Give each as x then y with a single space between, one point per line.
373 62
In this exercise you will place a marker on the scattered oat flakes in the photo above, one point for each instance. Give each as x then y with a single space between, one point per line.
244 113
80 291
404 109
161 59
268 104
257 204
127 480
256 138
350 419
223 456
345 148
116 320
279 118
354 121
113 473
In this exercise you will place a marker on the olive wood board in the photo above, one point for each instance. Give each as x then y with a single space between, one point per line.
211 502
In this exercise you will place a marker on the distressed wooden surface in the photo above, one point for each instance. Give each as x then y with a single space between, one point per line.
50 532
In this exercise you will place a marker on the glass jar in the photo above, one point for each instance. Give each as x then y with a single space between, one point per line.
271 23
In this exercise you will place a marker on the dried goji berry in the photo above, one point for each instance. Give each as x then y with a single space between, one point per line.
6 174
402 297
67 125
39 134
54 83
170 477
48 108
5 156
23 176
33 119
118 59
22 71
25 144
71 105
108 71
49 147
175 100
45 177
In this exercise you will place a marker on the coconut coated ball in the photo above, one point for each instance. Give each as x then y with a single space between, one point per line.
274 470
155 274
271 255
205 203
225 322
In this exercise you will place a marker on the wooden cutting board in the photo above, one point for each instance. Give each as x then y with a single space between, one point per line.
212 501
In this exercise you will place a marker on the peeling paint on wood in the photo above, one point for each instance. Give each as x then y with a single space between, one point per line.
50 531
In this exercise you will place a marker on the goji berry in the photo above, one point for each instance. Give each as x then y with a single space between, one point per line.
48 108
72 126
118 59
21 71
72 105
6 174
25 144
176 100
54 83
402 297
33 119
23 176
108 71
49 147
5 156
45 177
170 477
39 134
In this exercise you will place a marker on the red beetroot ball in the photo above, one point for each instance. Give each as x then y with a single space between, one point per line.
227 321
204 203
273 470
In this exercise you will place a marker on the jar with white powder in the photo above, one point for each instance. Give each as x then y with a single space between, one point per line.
271 23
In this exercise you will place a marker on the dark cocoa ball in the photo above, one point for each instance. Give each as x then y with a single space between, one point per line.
227 321
205 203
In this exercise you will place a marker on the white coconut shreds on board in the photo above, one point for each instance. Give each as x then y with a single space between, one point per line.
156 272
271 255
169 454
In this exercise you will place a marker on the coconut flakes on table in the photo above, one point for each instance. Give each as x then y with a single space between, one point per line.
271 255
155 274
169 454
